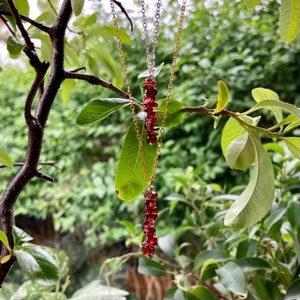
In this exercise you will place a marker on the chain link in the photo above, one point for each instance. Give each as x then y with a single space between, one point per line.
150 55
150 62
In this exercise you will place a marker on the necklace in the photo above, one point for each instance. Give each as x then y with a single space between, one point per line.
150 92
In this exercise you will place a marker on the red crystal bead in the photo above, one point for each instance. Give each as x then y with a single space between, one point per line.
147 250
151 240
149 104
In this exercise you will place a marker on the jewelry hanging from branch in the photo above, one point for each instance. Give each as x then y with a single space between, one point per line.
150 104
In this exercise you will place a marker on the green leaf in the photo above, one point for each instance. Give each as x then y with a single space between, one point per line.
129 226
175 112
293 144
95 291
261 94
77 6
202 293
232 277
20 236
289 20
150 267
236 145
240 153
22 6
5 159
293 291
131 179
14 47
293 214
252 3
223 96
251 264
99 109
209 255
38 265
4 240
66 89
271 104
256 200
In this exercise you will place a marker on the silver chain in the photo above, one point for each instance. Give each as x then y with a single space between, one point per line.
150 55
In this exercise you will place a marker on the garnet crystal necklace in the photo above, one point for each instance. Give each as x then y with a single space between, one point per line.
154 133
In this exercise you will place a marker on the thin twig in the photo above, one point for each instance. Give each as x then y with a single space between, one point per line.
44 176
42 163
4 20
124 12
96 81
20 26
34 23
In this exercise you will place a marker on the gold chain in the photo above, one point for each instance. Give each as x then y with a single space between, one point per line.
170 85
168 96
129 93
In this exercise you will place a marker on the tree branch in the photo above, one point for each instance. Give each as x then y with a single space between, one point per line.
36 123
34 23
20 26
96 81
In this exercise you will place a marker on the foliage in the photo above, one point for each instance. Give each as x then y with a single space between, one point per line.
236 46
208 260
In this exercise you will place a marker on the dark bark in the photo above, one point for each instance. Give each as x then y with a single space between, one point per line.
35 123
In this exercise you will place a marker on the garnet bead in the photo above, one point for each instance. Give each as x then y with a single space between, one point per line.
151 212
150 93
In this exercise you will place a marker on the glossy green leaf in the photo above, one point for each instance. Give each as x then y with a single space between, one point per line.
4 240
231 131
261 94
223 96
5 159
266 289
251 264
95 291
130 176
77 6
240 153
256 200
293 290
236 145
150 267
202 293
99 109
38 265
293 144
252 3
289 20
209 255
271 104
22 6
232 277
14 47
175 112
66 89
293 214
20 236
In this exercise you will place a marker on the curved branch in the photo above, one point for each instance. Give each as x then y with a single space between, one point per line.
96 81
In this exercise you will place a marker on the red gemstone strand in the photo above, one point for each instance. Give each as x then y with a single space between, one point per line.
151 213
149 106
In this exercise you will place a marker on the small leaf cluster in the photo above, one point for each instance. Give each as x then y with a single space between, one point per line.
36 263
